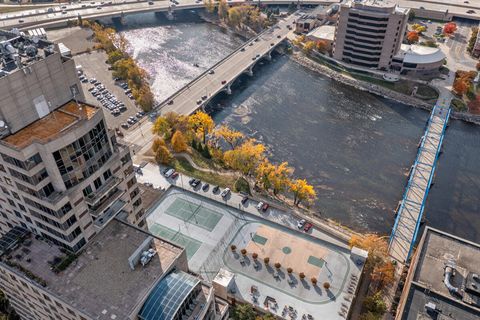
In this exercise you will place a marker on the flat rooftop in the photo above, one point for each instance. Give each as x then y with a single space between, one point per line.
437 250
18 51
52 125
100 281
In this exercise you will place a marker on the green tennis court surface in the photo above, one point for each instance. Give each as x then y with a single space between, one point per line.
190 245
259 239
315 261
194 213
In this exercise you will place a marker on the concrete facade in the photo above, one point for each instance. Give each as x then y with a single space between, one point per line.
369 33
63 174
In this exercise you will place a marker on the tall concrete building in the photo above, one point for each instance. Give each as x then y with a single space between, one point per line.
369 33
63 175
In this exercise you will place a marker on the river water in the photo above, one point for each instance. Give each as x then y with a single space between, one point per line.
354 147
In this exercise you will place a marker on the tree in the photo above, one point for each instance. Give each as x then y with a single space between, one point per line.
326 285
163 155
230 136
308 46
474 105
167 124
302 191
209 5
384 274
419 28
201 124
254 256
243 312
449 28
178 142
375 304
278 265
411 15
234 16
233 248
412 37
157 143
264 173
460 87
246 157
322 46
376 246
223 9
280 177
477 66
243 252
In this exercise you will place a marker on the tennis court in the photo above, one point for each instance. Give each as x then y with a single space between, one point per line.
191 245
194 213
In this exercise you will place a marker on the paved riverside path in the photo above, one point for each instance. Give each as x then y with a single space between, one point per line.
410 213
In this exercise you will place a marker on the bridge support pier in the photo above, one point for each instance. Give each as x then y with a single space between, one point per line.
249 71
229 89
268 56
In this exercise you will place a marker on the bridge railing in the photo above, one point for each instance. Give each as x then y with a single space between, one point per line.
203 74
412 175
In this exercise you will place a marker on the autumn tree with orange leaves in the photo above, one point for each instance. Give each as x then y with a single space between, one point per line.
449 28
412 37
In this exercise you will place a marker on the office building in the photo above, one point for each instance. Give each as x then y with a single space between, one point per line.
443 281
63 174
369 33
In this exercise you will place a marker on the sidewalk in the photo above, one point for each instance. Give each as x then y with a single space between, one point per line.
276 213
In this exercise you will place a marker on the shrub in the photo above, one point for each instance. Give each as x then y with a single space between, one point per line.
301 275
278 265
254 255
326 285
233 247
243 251
289 270
314 281
266 260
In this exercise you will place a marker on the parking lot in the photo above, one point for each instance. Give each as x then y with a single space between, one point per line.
117 106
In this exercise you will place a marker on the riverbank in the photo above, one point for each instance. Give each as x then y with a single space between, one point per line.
307 62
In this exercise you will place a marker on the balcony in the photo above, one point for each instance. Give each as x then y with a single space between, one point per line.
93 198
108 215
106 202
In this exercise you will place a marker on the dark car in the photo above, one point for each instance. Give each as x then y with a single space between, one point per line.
265 207
307 227
191 181
195 183
244 200
279 36
216 189
174 175
224 81
205 187
243 49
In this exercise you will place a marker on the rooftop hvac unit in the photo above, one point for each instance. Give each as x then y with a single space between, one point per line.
430 306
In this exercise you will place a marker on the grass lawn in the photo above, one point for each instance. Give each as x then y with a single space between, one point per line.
403 86
5 9
183 166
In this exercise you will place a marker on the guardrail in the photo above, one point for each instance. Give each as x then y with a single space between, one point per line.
412 175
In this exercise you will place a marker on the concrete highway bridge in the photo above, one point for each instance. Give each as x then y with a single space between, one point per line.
221 76
94 10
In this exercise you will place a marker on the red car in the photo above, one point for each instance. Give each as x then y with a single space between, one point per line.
224 81
307 227
265 207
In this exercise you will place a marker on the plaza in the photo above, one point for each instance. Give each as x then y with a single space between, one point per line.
208 230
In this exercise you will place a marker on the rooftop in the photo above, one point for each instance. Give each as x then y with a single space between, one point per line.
438 254
420 54
49 127
323 32
100 282
377 5
18 51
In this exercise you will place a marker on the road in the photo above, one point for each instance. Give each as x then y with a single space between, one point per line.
185 101
95 10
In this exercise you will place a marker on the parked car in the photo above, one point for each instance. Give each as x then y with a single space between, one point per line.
169 173
174 175
190 182
215 189
196 183
225 192
205 187
260 205
307 227
211 72
265 207
301 223
244 200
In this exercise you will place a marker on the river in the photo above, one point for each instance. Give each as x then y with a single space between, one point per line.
354 147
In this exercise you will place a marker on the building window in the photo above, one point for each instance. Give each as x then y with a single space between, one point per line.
84 157
87 191
11 202
97 183
107 174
